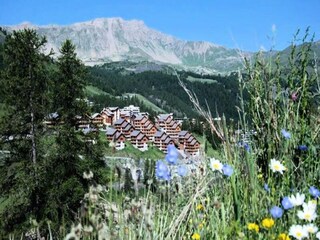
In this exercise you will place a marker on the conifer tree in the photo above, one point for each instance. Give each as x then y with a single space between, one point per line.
24 80
75 151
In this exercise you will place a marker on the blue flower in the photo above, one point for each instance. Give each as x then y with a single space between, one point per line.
303 148
314 192
286 203
172 155
162 171
246 147
182 171
227 170
266 187
285 134
276 212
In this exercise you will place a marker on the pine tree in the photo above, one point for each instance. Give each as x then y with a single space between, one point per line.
75 152
24 80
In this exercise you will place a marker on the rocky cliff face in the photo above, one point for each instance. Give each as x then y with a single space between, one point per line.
114 39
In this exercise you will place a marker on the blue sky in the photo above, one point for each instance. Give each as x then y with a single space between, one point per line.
248 24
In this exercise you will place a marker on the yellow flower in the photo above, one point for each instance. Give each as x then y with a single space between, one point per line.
283 236
200 207
260 176
200 225
195 236
268 222
253 227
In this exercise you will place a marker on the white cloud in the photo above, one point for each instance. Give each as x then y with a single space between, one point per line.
274 28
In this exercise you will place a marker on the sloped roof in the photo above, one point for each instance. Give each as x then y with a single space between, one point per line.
119 121
135 133
111 131
95 115
182 133
158 134
138 117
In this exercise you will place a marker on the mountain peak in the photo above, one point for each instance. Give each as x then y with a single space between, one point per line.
115 39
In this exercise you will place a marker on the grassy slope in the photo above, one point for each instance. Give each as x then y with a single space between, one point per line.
147 102
130 151
91 90
202 80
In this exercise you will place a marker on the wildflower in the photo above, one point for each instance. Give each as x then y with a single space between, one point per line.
162 171
199 207
268 222
309 211
266 187
283 236
253 227
88 229
276 166
311 228
182 171
307 214
312 205
195 236
286 134
227 170
216 165
286 203
294 96
200 226
246 147
88 175
298 232
172 155
318 235
303 148
297 200
71 236
314 192
276 212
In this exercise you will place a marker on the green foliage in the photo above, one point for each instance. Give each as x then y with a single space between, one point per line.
24 81
164 91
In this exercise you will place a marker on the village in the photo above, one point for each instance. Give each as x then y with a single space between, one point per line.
129 124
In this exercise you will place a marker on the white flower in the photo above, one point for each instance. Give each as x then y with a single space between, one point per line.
310 205
88 175
216 165
311 228
276 166
318 235
309 211
297 200
298 232
307 214
88 229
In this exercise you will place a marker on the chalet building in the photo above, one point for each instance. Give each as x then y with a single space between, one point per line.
82 122
115 136
124 127
126 115
143 124
139 140
132 109
97 119
110 115
52 120
166 123
189 143
162 140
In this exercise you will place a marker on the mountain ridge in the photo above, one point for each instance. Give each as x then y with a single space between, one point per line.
115 39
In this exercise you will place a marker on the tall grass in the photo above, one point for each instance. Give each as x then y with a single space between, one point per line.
283 100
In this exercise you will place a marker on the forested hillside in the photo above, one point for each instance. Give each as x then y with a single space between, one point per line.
164 90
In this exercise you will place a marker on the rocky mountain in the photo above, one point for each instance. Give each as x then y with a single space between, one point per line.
114 39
